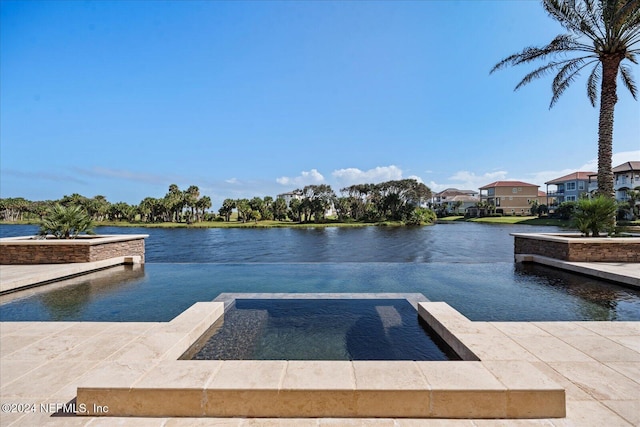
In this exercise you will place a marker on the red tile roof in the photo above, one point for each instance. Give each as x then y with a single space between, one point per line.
508 184
582 176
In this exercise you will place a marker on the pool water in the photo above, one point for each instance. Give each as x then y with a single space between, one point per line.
467 265
321 329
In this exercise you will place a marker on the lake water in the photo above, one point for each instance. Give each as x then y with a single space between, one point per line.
468 265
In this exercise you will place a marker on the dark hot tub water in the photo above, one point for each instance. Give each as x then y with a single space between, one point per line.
320 329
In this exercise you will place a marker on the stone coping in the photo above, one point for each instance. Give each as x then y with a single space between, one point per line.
575 238
80 240
145 379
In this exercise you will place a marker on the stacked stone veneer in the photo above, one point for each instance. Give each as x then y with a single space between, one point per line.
26 250
579 249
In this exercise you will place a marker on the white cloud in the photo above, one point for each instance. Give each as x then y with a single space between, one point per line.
231 181
351 176
305 178
466 180
618 159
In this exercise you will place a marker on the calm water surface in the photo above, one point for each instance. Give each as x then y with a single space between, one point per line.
468 265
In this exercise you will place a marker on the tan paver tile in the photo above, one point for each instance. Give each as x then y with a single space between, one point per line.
346 422
609 329
45 420
388 375
465 376
319 375
598 380
45 328
629 369
432 422
47 379
630 341
188 374
519 329
589 414
113 374
7 328
277 422
496 347
564 329
10 370
149 347
513 422
204 422
531 394
253 374
551 349
12 343
572 391
98 348
90 328
127 421
603 349
135 328
627 409
46 349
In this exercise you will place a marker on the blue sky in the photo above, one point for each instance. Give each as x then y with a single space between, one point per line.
249 99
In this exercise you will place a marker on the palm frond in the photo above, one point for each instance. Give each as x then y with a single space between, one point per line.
627 80
565 72
561 43
565 77
592 14
592 83
539 72
628 12
563 80
573 17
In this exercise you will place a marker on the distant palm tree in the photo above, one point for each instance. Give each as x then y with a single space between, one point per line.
602 33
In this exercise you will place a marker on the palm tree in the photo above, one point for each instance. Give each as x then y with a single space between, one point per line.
602 34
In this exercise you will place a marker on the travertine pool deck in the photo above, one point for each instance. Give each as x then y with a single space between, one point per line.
49 363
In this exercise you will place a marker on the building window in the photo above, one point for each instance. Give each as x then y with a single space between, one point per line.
570 198
571 186
514 190
580 185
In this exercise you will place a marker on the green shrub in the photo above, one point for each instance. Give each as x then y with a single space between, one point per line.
66 222
595 215
422 216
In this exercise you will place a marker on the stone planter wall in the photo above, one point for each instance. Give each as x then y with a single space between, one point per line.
578 249
28 250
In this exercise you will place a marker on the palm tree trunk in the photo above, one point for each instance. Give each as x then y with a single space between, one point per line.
610 65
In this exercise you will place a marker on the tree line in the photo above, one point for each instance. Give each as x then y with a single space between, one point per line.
396 200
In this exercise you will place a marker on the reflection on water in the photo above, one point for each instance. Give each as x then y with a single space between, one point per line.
597 300
68 299
470 266
462 242
480 291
